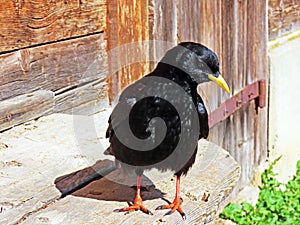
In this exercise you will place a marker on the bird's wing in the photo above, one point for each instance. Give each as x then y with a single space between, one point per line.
120 113
203 118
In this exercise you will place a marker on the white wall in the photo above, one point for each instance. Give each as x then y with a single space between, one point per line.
284 117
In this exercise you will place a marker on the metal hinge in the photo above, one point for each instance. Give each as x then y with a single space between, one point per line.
256 90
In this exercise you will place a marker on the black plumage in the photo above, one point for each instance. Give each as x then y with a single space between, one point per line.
159 118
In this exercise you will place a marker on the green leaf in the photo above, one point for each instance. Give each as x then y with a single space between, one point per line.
274 206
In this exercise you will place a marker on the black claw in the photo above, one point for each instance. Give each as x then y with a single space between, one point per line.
149 212
159 207
127 212
169 213
118 210
183 216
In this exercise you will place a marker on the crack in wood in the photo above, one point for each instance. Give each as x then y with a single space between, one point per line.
44 206
51 42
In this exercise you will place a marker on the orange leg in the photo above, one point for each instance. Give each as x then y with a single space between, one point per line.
138 202
176 205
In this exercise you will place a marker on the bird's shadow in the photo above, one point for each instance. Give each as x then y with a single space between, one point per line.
110 185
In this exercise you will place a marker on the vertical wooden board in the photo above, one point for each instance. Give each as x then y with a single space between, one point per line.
162 29
242 45
259 70
187 28
132 28
244 51
112 43
229 67
164 21
257 42
229 41
26 23
200 21
127 29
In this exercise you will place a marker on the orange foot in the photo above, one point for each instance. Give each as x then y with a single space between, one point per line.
176 205
137 205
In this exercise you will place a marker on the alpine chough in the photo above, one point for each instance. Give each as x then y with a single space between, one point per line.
159 118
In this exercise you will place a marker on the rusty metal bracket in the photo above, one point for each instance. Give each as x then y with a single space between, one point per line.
256 90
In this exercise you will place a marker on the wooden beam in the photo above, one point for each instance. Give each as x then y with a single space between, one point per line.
25 107
40 158
82 100
56 66
27 23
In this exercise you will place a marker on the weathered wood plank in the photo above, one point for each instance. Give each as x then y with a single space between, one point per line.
139 33
38 152
83 100
261 71
163 23
29 193
127 29
27 23
25 107
162 27
52 67
193 186
245 58
284 17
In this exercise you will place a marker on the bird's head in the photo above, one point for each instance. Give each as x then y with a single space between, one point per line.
198 61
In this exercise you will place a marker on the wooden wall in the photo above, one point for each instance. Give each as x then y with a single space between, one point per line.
237 32
55 46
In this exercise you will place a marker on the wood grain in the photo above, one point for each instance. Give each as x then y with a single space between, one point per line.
162 29
25 107
82 100
33 183
54 67
127 29
283 17
27 23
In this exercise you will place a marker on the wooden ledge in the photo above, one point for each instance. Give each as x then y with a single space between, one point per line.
41 158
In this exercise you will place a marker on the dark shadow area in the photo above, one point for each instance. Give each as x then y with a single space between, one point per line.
91 182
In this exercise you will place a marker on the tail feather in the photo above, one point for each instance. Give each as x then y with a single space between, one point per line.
108 151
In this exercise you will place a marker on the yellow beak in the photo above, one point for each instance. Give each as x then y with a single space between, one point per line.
220 81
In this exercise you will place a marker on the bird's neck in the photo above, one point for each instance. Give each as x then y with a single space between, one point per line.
175 74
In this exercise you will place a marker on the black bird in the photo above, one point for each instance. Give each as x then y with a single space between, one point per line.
159 118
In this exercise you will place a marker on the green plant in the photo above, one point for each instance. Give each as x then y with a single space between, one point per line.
277 203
